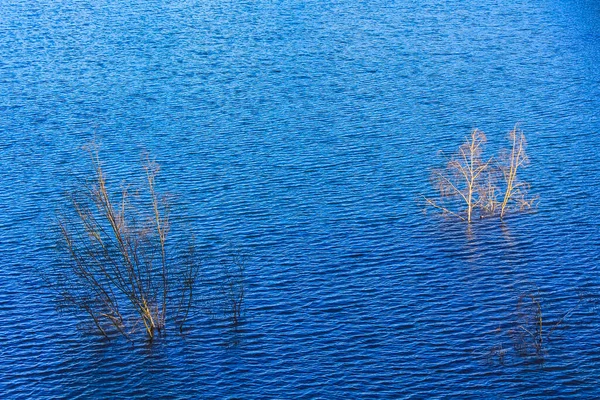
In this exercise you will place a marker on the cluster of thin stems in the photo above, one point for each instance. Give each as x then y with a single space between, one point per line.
118 270
530 331
471 184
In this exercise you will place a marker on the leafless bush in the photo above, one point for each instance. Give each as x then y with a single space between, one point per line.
119 268
233 288
530 332
528 336
461 184
516 192
470 184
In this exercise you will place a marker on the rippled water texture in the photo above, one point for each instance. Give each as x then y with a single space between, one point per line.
302 133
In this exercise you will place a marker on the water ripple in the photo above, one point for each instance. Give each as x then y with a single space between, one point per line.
303 133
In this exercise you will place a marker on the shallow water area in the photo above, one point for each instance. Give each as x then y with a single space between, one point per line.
303 134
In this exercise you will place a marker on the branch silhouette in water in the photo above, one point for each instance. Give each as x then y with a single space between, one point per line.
119 267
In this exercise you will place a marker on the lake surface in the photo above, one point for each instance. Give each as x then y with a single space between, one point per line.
303 133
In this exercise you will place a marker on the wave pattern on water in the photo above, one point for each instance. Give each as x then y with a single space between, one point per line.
303 133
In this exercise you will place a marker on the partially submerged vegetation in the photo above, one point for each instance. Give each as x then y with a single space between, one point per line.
530 331
119 268
471 185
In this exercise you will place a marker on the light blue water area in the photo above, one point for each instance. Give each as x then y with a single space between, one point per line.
303 134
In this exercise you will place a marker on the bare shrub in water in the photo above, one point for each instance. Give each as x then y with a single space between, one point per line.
530 332
471 184
528 336
462 183
233 289
516 193
118 269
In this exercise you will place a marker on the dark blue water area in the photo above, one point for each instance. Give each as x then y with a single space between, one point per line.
303 134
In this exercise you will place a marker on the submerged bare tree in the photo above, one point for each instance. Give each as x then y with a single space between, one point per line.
119 269
530 332
464 183
470 183
516 191
233 288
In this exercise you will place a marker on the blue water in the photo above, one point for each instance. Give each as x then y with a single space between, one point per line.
302 133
